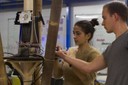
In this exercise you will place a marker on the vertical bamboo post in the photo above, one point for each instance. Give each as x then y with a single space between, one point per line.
3 76
51 41
28 5
37 8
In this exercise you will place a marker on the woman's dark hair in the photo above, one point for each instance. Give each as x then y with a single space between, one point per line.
119 8
88 26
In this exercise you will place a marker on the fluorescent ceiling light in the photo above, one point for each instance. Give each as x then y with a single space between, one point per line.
86 16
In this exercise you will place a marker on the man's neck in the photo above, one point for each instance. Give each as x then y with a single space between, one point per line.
120 30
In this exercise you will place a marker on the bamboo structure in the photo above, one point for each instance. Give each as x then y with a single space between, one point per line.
26 68
27 74
3 76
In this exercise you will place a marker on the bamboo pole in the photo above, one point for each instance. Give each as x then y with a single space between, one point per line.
51 41
3 76
28 5
37 8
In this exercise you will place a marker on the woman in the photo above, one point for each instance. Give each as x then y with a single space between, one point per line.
83 32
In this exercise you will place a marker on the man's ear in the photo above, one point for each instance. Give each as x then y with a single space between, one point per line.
116 16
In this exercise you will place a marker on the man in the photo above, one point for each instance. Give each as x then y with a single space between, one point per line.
115 57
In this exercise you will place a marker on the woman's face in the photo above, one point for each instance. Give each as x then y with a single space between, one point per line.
80 37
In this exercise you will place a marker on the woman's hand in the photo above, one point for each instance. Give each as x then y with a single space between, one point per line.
60 52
